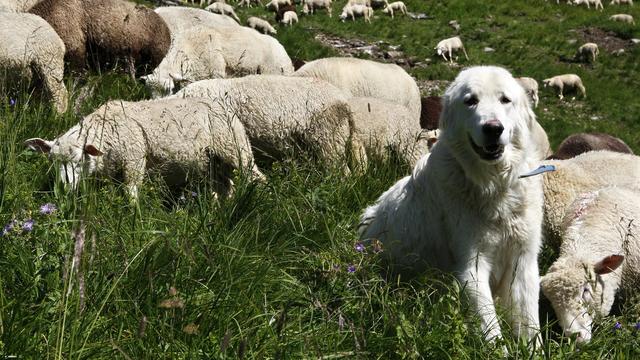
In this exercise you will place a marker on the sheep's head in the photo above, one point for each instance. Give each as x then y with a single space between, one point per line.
386 9
575 289
546 82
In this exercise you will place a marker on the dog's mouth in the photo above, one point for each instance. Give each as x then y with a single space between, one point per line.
487 152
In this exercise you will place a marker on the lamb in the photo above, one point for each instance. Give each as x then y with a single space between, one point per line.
179 18
261 25
16 5
180 138
588 52
621 2
223 9
204 53
600 253
597 3
289 17
397 6
560 82
309 6
580 143
359 10
449 46
366 78
29 44
530 86
625 18
281 113
382 126
276 4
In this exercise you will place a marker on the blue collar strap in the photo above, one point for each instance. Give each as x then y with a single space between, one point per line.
540 170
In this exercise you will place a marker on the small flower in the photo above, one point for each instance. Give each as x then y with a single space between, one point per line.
28 225
194 194
351 269
12 101
335 268
7 228
182 198
617 325
359 247
637 326
48 209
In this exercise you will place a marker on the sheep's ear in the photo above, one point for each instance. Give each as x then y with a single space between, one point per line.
608 264
92 150
39 145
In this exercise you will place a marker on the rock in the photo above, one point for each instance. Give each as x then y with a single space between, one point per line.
572 41
618 52
635 41
393 54
489 50
418 16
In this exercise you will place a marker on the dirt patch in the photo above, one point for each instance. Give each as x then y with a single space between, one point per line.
606 40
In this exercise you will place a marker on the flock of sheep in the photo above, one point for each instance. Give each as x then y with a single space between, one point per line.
226 95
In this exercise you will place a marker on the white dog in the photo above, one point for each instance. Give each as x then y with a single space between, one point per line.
465 210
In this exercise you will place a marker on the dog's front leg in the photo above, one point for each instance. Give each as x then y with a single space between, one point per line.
475 280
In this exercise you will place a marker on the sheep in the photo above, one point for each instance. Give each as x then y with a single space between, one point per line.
449 46
203 53
625 18
247 3
111 29
179 138
359 10
309 6
180 18
289 17
359 2
223 9
380 126
261 25
366 78
588 52
276 4
577 144
597 3
283 9
397 5
281 113
530 86
560 82
619 2
600 253
17 5
29 44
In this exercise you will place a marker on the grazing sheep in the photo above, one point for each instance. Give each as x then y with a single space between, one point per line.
599 254
110 29
29 44
17 5
530 86
560 82
588 52
180 18
449 46
179 138
223 9
431 107
597 3
359 2
356 10
577 144
281 113
283 9
366 78
204 53
289 17
395 6
276 4
261 25
621 2
382 126
247 3
309 6
625 18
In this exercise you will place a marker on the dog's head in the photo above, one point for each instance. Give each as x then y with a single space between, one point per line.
486 116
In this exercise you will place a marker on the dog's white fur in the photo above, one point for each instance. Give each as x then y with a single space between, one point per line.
469 216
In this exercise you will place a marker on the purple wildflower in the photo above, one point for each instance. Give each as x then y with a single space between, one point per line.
7 228
12 101
351 269
28 225
617 325
48 209
637 326
194 194
359 247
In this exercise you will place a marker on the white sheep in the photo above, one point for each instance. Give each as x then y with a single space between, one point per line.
204 53
599 254
366 78
29 44
382 126
248 3
560 82
180 138
179 18
261 25
16 5
395 6
275 4
597 3
280 113
223 9
588 52
450 45
309 6
530 86
356 10
359 2
289 17
621 2
625 18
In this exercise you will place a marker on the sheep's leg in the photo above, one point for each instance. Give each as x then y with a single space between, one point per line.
451 55
131 67
133 176
465 53
329 11
560 91
391 12
582 90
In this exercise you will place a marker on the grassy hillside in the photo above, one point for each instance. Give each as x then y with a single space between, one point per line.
276 270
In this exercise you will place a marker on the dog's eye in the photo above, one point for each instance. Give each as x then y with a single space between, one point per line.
471 100
504 100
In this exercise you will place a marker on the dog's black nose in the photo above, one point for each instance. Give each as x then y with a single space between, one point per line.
492 129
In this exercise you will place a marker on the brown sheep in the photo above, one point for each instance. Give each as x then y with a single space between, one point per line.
430 114
283 9
107 30
577 144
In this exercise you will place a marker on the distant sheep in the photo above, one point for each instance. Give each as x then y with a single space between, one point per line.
366 78
179 138
283 9
577 144
596 3
351 11
530 86
309 6
395 6
247 3
449 46
223 9
289 17
29 44
561 82
625 18
276 4
621 2
588 52
180 18
261 25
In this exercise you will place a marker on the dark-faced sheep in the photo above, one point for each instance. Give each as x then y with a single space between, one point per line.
430 113
107 30
577 144
283 9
